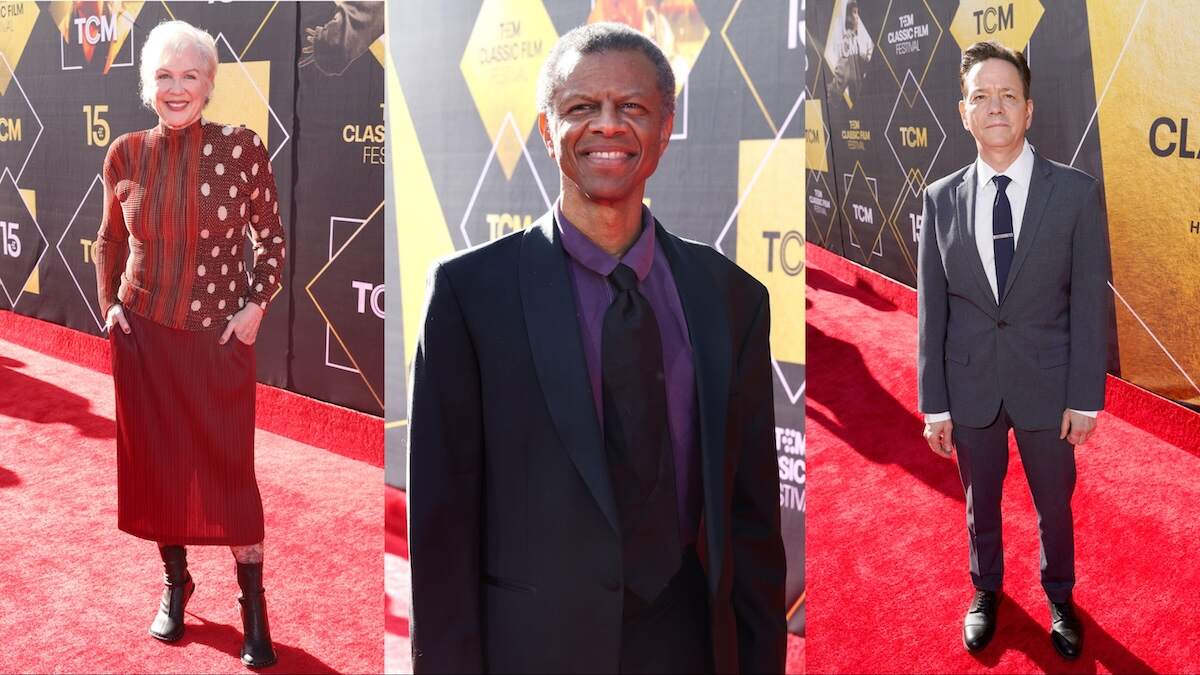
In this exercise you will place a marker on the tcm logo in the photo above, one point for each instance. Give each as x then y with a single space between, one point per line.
786 247
369 295
99 28
914 137
864 214
500 224
993 19
1167 137
96 29
10 129
1010 23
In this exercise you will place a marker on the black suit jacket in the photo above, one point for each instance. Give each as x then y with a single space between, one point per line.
513 531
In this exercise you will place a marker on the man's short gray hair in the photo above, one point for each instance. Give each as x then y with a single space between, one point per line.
168 39
602 37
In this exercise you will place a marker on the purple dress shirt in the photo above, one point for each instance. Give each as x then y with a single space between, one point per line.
590 267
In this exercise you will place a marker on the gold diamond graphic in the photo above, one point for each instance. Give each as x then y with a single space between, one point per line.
816 135
508 44
242 96
422 235
16 23
1010 23
770 232
675 26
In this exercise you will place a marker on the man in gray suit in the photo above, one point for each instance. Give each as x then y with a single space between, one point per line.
1012 313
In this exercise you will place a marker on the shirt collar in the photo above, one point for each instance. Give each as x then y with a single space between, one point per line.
639 257
1020 171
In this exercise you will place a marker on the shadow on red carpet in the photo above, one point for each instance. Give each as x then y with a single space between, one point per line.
887 544
77 595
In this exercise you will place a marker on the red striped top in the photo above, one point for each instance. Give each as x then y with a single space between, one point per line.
178 207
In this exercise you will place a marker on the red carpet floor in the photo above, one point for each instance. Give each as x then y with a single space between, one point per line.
887 544
398 585
77 595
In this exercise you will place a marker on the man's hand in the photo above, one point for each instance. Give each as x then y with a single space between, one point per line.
244 324
115 317
1076 427
937 435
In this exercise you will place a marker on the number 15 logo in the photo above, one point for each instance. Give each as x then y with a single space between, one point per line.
10 245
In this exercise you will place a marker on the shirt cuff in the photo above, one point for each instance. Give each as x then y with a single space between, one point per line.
932 418
1086 413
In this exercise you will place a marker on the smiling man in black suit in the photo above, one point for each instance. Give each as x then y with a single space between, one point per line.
592 471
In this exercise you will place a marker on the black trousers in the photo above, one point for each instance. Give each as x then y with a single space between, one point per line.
671 634
1050 469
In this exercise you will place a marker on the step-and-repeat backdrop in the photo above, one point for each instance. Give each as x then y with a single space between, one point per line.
466 165
307 77
1114 87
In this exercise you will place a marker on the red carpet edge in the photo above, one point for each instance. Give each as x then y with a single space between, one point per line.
346 432
1158 416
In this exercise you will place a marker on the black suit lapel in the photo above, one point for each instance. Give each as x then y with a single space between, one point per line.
548 303
708 329
964 200
1040 188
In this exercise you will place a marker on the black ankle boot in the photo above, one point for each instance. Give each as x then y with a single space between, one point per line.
177 588
257 651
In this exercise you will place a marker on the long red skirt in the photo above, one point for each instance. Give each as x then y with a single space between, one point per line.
185 435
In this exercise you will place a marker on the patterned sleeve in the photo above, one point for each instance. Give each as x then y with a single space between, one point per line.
266 230
111 247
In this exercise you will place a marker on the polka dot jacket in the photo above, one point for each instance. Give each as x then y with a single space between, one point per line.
180 208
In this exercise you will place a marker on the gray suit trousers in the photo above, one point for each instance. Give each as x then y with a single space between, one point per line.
1049 464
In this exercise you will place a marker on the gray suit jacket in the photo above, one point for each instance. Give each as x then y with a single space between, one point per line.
1043 347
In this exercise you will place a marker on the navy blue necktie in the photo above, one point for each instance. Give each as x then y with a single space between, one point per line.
1002 234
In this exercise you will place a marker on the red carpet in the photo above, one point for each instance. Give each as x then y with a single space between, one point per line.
399 586
78 595
887 544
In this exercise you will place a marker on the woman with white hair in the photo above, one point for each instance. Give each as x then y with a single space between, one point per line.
182 314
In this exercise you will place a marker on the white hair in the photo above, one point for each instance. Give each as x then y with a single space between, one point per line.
171 38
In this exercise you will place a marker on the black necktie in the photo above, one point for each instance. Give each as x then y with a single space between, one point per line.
637 440
1002 234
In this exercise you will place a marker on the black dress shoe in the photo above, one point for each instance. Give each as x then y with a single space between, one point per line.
1066 632
177 588
257 650
980 623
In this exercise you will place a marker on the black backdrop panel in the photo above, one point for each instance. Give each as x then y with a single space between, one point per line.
69 85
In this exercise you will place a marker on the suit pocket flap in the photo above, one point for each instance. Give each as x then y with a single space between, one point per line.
507 584
957 353
1054 356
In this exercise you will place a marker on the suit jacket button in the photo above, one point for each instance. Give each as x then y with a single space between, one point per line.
1001 323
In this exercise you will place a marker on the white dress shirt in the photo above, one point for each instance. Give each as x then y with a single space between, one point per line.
1020 172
